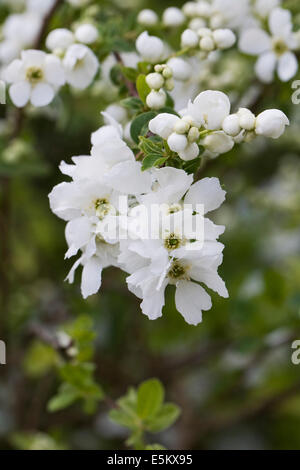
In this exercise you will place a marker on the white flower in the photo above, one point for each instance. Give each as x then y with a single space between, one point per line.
209 109
224 38
150 48
180 68
147 17
189 38
153 264
81 66
86 33
271 123
173 16
60 38
34 78
22 28
229 13
156 99
274 51
231 125
218 143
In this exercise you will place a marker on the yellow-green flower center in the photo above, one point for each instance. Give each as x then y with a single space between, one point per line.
34 75
172 242
102 207
178 271
279 47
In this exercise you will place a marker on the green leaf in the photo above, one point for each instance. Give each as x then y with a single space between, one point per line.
142 88
166 416
66 396
130 73
151 160
132 103
149 398
120 417
151 145
139 125
192 166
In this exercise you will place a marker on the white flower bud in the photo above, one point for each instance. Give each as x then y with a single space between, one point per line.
181 127
167 72
271 123
158 68
217 21
60 38
231 125
190 152
207 44
86 33
190 9
163 124
218 142
169 84
173 17
202 32
156 99
196 23
155 81
189 38
193 134
203 9
224 38
147 17
246 119
180 68
150 48
177 142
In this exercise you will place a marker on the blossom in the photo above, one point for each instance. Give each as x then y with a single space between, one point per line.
151 48
86 33
271 123
173 16
147 17
81 66
60 38
153 264
275 50
35 78
209 109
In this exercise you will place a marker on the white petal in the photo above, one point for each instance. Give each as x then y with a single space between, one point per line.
20 93
163 124
287 66
13 72
254 42
211 278
190 300
265 67
280 22
152 306
64 201
54 71
208 192
78 234
33 57
128 178
105 134
91 277
42 94
213 106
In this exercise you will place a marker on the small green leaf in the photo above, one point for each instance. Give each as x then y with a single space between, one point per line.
132 103
192 166
139 125
66 396
130 73
151 160
119 417
165 417
149 398
142 88
151 145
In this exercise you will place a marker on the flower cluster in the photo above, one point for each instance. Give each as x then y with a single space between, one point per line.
207 122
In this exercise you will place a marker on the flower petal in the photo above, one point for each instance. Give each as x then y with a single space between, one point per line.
91 277
254 41
287 66
265 67
20 93
191 299
280 22
208 192
54 71
42 94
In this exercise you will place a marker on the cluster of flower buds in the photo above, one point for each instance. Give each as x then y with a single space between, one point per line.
208 40
161 78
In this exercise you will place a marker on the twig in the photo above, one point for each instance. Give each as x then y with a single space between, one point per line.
130 86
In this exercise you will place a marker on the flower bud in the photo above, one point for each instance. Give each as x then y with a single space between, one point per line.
190 9
60 38
190 152
207 44
271 123
147 17
203 9
163 124
177 142
156 99
224 38
86 33
181 70
150 48
158 68
189 38
231 125
169 84
218 142
167 72
246 119
155 81
173 17
196 23
193 134
181 127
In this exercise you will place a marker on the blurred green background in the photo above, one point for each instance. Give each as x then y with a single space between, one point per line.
232 375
